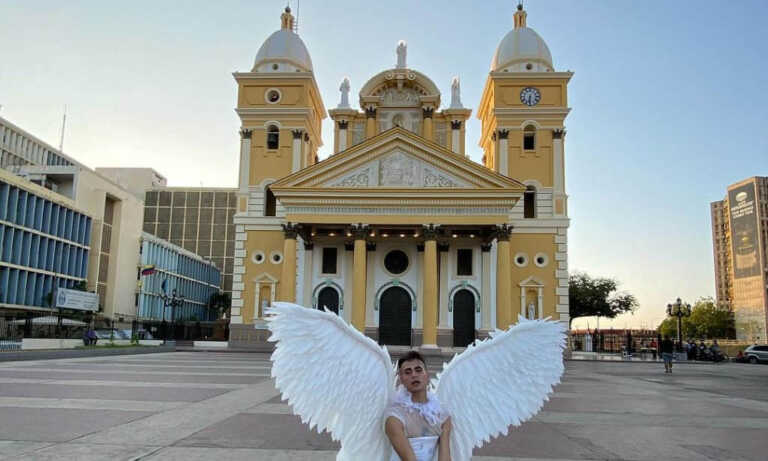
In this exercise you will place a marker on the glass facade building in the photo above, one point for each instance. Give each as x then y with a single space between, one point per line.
44 243
17 148
193 277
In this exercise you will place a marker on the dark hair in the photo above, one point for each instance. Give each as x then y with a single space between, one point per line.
410 355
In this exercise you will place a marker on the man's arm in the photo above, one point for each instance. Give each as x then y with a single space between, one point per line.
444 449
396 433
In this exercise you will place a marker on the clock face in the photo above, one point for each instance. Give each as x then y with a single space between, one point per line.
530 96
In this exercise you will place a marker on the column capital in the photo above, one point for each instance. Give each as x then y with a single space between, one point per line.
370 112
370 246
503 232
297 134
245 133
443 247
558 134
359 232
343 124
427 112
430 232
503 134
455 124
291 230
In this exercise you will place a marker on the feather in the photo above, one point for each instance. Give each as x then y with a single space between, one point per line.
500 382
333 377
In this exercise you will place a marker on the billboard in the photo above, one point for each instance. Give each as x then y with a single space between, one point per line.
76 299
745 246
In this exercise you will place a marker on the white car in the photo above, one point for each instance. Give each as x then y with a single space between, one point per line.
756 354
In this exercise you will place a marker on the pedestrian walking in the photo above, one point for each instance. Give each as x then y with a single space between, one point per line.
667 349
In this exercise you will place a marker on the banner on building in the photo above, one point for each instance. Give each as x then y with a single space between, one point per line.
745 247
76 299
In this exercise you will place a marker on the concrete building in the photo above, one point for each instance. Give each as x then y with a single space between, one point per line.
18 148
740 247
192 276
136 180
399 232
199 219
45 243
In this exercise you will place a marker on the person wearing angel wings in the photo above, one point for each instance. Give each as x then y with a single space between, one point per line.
340 381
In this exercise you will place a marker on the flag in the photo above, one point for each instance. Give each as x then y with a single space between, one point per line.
148 270
164 285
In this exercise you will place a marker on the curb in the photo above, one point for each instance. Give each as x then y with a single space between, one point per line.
78 353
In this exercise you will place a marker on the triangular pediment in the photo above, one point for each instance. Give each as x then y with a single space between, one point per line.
397 159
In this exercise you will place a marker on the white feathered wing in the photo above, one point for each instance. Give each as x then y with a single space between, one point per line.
501 381
334 377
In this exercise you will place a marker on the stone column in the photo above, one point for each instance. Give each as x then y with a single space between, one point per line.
503 153
456 136
245 159
296 163
430 288
485 250
359 270
288 273
503 278
428 133
343 125
370 122
558 165
309 248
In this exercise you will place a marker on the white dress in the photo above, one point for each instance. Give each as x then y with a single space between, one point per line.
422 421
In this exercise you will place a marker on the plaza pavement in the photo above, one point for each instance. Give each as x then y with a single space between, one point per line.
223 406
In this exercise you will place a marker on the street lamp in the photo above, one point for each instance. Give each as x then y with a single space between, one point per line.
172 301
679 309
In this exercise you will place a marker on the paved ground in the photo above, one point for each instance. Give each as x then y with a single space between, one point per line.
203 406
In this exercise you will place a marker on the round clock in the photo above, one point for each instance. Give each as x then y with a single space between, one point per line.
530 96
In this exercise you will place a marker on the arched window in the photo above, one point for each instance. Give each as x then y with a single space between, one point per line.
529 138
270 202
273 137
529 202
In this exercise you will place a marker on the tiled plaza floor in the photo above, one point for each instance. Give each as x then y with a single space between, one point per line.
223 406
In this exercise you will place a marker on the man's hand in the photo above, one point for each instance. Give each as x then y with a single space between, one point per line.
396 433
444 449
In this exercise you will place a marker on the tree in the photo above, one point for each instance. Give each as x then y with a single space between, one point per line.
220 303
707 320
598 297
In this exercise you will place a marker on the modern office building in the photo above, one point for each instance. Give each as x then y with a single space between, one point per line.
193 277
18 148
45 243
740 246
136 180
198 220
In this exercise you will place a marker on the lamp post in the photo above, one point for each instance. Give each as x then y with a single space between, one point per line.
679 309
173 300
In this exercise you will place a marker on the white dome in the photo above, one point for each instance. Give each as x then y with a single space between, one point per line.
285 50
522 50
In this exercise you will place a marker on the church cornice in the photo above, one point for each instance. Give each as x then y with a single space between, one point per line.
531 75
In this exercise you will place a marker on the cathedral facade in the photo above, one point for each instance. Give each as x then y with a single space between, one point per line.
398 231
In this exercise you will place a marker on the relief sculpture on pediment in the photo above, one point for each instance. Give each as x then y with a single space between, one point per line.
435 179
394 97
357 179
398 169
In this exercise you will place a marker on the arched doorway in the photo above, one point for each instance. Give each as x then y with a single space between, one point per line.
395 317
463 318
328 298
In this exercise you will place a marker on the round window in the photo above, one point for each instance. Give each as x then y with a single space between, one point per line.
396 262
276 257
273 96
521 260
257 257
529 66
275 66
541 260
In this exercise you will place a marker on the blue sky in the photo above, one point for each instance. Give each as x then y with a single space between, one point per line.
668 101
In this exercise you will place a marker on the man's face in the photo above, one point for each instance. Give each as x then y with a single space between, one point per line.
413 375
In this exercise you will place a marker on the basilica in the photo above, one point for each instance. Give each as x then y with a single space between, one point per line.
398 231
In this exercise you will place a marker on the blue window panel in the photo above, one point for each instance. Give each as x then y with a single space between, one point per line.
51 255
39 287
2 239
62 228
47 217
76 227
29 221
5 272
88 225
13 200
18 238
84 265
26 245
70 225
21 294
13 286
31 288
42 262
54 221
64 268
4 189
34 251
21 207
41 203
58 255
47 288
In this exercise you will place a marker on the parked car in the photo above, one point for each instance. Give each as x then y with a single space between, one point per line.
111 334
756 354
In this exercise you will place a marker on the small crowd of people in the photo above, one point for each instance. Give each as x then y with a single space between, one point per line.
701 351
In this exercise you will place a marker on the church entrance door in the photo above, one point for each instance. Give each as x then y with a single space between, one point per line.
463 318
395 317
328 298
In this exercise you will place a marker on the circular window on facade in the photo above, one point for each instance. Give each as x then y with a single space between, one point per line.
276 257
521 260
257 257
275 67
273 96
396 262
541 260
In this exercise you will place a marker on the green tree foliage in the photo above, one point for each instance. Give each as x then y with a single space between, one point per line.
707 320
589 297
221 302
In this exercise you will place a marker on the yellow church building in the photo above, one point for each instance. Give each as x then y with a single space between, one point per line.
398 231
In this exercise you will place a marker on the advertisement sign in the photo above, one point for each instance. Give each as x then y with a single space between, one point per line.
76 299
745 247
